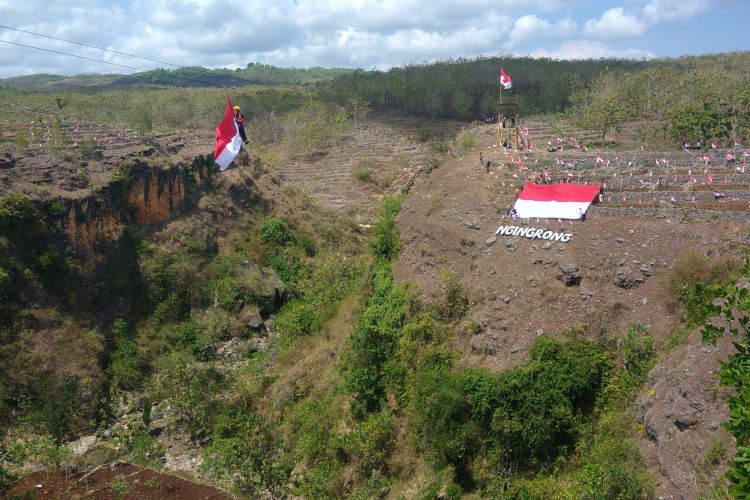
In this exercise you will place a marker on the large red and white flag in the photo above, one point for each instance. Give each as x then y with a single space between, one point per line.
505 80
228 140
555 201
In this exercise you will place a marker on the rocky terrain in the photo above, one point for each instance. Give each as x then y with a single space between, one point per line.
608 276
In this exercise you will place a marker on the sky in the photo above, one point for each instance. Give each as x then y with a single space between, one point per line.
357 33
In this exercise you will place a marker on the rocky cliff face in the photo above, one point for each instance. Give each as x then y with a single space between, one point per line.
147 195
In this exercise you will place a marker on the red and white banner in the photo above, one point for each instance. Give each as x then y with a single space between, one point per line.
228 140
555 201
505 80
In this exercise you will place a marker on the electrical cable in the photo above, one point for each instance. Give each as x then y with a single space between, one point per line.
90 46
197 80
72 55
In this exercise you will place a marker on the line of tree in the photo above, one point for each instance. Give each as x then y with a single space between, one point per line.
690 98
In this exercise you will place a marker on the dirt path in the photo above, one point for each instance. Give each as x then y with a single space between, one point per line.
116 481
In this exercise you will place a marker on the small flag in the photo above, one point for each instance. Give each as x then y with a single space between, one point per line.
505 80
714 144
672 199
730 156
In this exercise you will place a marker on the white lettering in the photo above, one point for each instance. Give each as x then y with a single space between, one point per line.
500 230
565 238
547 235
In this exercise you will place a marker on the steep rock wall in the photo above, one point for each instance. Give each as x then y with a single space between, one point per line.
148 195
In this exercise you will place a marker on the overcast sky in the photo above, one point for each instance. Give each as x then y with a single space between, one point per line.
359 33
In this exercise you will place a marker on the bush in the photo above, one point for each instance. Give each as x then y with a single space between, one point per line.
274 232
387 244
225 293
371 443
16 209
638 352
298 318
127 367
695 280
52 266
373 342
243 442
160 279
519 417
363 176
191 388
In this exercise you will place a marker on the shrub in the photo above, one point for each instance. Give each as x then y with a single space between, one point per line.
160 279
695 280
274 232
363 176
190 387
386 244
373 342
522 416
243 442
127 367
307 245
371 443
225 293
22 141
455 302
52 266
298 318
638 352
17 209
56 209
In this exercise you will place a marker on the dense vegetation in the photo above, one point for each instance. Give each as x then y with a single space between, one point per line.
687 98
194 76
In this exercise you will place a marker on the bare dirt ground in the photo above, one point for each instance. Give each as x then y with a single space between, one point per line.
116 481
448 224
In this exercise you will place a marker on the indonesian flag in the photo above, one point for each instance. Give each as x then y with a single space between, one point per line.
714 144
599 159
228 140
555 201
741 167
730 156
505 80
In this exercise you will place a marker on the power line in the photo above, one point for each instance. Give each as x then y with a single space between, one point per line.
197 80
91 46
72 55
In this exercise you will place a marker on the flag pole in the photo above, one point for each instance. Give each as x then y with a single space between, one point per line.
499 121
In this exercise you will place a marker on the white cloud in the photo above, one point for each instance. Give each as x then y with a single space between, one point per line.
530 27
587 49
614 23
671 10
353 33
619 23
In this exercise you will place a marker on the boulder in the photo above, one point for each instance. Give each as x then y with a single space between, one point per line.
569 274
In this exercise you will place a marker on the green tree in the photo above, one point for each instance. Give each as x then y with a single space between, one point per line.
602 107
733 309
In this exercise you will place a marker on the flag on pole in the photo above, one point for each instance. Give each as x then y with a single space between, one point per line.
505 80
228 140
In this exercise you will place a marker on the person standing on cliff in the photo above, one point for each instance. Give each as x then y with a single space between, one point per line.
240 120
